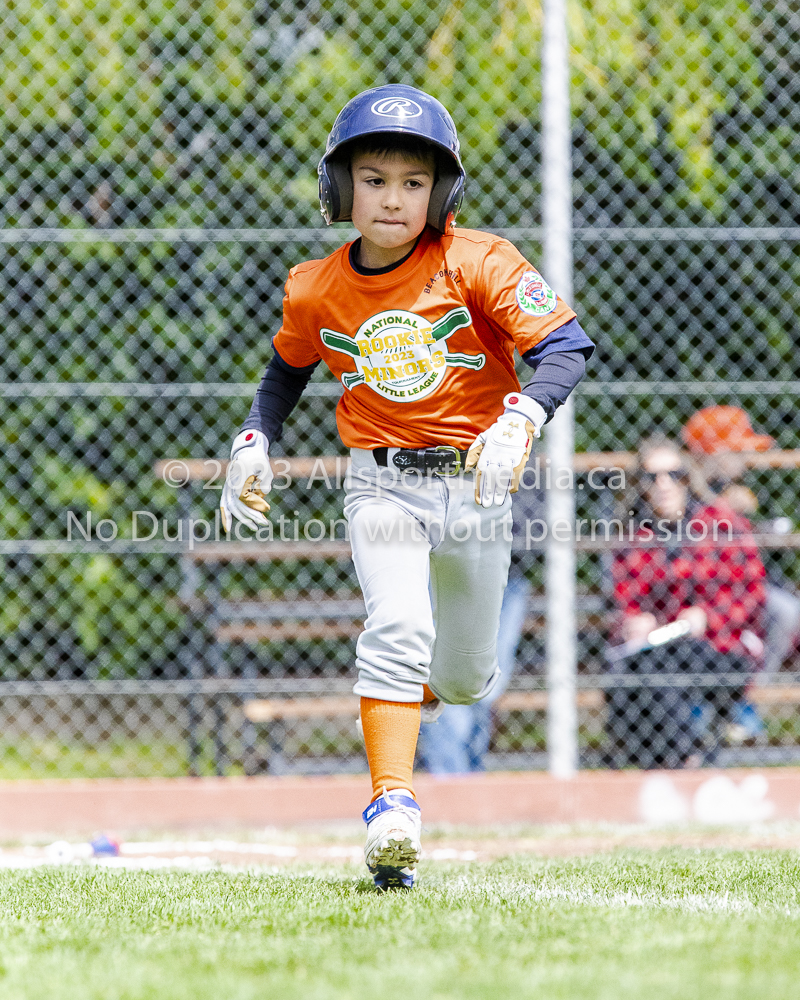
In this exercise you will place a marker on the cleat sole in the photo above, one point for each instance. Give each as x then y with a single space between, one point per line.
395 853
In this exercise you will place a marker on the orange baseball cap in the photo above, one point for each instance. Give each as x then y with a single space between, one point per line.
723 428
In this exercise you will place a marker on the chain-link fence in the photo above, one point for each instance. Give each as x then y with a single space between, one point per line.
158 174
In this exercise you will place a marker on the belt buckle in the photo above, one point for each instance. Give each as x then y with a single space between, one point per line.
456 458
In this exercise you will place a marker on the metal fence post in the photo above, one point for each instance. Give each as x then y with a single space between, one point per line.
562 721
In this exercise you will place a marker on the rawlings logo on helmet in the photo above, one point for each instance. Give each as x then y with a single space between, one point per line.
396 107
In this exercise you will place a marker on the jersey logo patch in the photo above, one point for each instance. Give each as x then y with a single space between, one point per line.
534 296
400 355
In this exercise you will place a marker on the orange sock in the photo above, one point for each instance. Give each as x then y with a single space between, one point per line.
427 695
390 736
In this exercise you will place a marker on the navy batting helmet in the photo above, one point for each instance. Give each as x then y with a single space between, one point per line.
394 108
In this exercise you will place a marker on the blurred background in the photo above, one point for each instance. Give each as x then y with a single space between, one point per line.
158 181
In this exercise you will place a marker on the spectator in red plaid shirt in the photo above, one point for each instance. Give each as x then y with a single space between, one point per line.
716 586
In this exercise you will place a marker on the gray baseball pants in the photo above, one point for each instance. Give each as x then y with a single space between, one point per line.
432 566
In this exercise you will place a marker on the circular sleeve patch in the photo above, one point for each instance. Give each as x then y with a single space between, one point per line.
534 296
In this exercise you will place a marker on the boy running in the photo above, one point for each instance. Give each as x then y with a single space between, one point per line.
419 322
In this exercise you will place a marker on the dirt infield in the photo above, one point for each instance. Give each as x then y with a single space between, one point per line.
654 798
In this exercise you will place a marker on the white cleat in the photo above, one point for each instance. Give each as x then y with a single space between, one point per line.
393 846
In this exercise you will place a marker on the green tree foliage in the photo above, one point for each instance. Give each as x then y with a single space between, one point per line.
122 114
641 67
214 112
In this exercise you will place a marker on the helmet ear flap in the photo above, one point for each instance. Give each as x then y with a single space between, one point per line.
327 199
445 200
335 190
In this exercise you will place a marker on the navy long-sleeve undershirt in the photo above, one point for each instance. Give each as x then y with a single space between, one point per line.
280 388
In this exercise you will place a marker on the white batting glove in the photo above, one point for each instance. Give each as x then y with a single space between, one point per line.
248 479
499 453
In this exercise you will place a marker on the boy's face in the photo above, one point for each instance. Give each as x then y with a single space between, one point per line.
390 197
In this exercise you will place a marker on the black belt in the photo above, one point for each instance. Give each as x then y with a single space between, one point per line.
444 460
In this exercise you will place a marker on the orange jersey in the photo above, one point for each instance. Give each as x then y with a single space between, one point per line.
425 352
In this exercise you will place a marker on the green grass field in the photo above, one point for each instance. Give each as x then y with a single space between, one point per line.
674 923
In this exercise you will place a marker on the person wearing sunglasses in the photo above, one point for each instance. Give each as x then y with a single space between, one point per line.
692 560
719 438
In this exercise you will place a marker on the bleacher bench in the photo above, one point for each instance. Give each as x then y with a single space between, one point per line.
266 709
